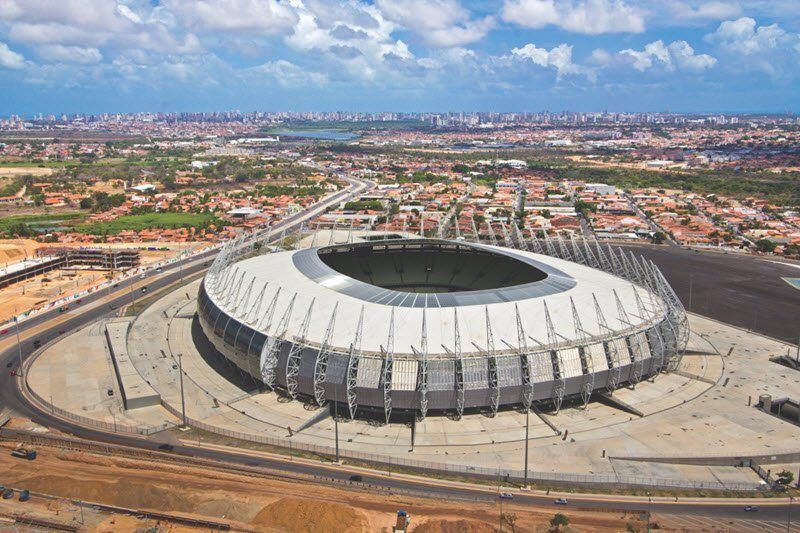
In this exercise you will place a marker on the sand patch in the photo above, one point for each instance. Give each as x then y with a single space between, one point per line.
454 526
299 515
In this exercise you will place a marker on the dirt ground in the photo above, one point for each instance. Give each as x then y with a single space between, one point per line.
258 504
25 171
34 292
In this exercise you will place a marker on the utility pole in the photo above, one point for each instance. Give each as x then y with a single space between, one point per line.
789 516
527 428
183 399
19 344
649 504
336 426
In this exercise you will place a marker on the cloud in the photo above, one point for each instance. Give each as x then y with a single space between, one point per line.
582 16
765 48
678 55
559 58
439 23
207 16
286 74
715 10
9 58
69 54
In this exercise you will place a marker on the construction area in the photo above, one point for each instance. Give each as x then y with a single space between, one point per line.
36 274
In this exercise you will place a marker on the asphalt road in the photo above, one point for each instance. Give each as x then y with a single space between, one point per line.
50 325
744 291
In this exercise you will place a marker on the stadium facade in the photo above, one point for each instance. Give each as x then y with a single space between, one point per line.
432 326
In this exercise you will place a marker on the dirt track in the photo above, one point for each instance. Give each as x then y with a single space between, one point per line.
263 505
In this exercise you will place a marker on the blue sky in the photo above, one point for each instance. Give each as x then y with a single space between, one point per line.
402 55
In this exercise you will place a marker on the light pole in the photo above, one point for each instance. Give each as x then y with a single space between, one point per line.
336 426
789 516
649 505
19 344
527 428
183 399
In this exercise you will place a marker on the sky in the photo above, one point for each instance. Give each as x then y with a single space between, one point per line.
92 56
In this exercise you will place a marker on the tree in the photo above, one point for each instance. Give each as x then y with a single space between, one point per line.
559 520
510 519
785 477
765 246
86 203
659 237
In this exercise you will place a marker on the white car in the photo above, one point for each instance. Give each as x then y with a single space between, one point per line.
506 496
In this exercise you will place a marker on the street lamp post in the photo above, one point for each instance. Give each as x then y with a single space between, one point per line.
336 426
789 516
19 344
527 428
183 399
649 505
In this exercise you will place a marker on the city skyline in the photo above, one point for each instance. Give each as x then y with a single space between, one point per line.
686 56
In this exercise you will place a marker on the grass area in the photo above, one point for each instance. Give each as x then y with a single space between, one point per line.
58 219
149 221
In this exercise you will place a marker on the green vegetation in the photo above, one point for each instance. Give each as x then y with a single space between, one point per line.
280 190
372 205
559 520
150 221
32 225
765 245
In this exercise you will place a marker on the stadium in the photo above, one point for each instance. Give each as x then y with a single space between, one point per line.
388 326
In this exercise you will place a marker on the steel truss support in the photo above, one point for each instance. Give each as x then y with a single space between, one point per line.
352 366
521 244
548 245
562 246
243 302
266 320
388 363
586 358
535 245
559 384
422 377
602 259
492 236
258 303
321 364
591 259
507 242
314 237
332 238
637 363
527 371
459 365
296 350
616 267
272 346
494 380
475 233
577 253
612 356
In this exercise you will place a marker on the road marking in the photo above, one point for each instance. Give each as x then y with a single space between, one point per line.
794 282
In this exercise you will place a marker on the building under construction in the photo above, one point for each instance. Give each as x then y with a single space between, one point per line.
54 258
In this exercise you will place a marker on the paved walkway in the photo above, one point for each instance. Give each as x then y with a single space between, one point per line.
700 410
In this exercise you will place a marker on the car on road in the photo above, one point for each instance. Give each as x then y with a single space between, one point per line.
62 331
356 478
561 501
4 332
751 508
8 494
37 343
166 447
144 289
506 496
24 495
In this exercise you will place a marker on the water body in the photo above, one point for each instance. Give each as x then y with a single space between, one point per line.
324 135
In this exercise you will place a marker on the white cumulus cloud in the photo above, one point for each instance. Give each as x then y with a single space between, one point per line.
678 55
580 16
439 23
9 58
69 54
559 58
